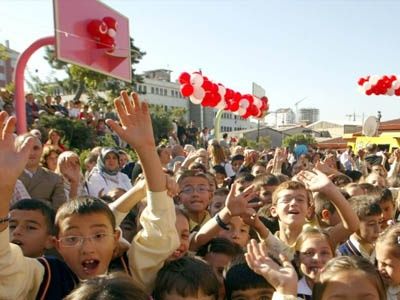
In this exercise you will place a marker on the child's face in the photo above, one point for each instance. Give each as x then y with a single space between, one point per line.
182 226
369 228
388 263
195 194
253 294
291 207
29 230
236 165
342 286
388 212
220 178
218 261
217 203
238 232
91 257
265 194
314 254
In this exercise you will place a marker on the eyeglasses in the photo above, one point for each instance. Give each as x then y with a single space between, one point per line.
289 199
77 241
198 188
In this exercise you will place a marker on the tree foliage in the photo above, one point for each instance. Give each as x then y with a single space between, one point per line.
299 139
4 55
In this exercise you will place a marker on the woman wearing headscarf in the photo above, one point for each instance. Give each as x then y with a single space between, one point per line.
106 175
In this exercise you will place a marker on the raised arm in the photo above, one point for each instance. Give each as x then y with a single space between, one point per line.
319 182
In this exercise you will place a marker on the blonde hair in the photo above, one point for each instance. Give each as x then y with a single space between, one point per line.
391 238
310 231
348 264
291 185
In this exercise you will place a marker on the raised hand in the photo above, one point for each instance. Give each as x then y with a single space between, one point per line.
238 203
70 169
282 278
315 181
136 128
12 159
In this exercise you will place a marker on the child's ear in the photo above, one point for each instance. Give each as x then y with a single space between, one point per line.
325 214
56 244
273 211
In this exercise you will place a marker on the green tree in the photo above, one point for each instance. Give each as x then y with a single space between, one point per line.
4 55
299 139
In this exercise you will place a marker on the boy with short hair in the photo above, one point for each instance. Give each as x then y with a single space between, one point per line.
362 242
218 201
292 205
32 226
186 278
195 196
85 229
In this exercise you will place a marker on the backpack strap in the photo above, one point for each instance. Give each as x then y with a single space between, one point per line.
44 286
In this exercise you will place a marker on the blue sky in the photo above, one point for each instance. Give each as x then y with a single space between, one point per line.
294 49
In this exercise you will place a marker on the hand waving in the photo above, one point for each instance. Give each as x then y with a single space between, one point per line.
238 203
136 128
282 278
315 181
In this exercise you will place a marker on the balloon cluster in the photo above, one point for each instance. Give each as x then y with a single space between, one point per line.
380 85
201 90
103 32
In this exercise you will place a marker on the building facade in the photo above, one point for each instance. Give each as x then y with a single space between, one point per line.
280 117
308 115
7 66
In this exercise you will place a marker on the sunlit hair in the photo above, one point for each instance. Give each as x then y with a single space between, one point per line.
217 154
391 238
46 153
83 206
348 264
310 231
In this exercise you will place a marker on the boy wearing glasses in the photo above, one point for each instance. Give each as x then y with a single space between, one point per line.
292 204
195 196
85 229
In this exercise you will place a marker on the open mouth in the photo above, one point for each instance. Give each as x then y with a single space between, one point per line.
90 265
293 212
16 242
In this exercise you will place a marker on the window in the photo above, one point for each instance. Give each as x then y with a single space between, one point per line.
152 90
165 92
145 89
156 91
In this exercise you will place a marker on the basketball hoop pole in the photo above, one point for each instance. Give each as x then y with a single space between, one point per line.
19 80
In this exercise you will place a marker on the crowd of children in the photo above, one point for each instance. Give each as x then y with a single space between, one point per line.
217 223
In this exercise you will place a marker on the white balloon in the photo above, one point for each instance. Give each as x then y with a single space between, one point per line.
196 80
199 93
367 86
241 111
244 103
374 79
396 84
257 102
221 90
195 100
221 104
390 92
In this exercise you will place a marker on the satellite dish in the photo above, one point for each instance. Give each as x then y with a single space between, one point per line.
370 127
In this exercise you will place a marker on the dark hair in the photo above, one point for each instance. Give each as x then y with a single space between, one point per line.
240 277
218 169
221 192
237 157
114 286
341 180
224 135
354 175
220 245
265 180
83 206
34 204
365 206
244 177
186 277
196 166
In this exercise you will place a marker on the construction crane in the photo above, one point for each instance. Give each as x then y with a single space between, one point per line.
297 109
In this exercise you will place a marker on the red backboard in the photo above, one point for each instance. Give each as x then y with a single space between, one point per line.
77 44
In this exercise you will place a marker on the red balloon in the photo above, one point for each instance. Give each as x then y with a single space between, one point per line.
111 22
237 97
207 100
207 85
96 28
184 78
393 78
368 92
187 90
397 92
214 88
361 81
